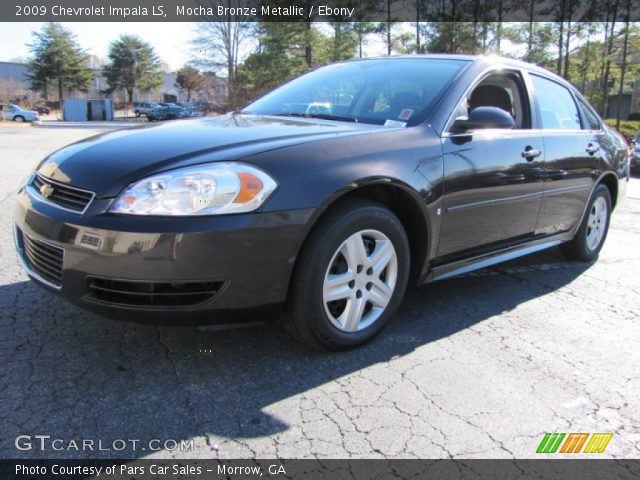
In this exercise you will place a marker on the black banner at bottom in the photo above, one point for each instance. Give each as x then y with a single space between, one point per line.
148 469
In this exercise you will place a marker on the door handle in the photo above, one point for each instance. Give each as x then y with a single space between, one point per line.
591 149
530 153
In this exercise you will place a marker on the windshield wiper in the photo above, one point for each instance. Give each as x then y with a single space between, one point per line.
322 116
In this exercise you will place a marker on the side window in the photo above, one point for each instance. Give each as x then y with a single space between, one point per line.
504 91
557 108
592 120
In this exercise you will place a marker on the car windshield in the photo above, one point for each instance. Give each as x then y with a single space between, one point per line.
369 91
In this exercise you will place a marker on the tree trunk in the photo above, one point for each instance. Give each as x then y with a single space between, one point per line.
623 68
560 49
484 37
607 67
60 99
566 50
188 95
308 52
230 70
418 26
587 61
453 29
388 27
338 42
499 28
530 40
476 15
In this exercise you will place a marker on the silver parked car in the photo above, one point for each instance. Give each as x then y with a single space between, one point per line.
16 113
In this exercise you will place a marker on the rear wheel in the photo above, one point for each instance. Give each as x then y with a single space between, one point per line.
590 237
18 118
350 277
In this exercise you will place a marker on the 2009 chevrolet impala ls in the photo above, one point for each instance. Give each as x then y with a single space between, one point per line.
327 196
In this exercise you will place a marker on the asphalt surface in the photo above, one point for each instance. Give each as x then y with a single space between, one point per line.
473 367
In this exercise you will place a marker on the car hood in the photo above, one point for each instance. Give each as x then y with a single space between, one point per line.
107 163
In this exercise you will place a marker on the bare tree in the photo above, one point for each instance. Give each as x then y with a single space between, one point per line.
220 45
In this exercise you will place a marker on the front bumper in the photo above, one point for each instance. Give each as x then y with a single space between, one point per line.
243 261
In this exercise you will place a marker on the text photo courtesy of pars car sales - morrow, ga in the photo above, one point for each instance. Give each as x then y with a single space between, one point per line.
319 240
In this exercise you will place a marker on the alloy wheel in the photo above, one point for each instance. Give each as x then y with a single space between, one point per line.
597 223
360 280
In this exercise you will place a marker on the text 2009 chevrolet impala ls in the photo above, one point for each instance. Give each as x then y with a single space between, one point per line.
327 196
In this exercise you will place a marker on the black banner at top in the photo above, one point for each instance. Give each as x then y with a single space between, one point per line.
320 10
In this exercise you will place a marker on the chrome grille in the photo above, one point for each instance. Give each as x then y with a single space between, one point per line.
65 196
43 259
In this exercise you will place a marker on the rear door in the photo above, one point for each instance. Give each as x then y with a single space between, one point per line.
492 179
573 151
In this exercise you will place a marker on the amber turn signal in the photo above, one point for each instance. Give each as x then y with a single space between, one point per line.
250 186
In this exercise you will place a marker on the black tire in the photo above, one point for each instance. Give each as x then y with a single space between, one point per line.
578 248
18 118
305 317
137 114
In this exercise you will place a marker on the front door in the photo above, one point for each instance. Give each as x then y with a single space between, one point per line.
492 178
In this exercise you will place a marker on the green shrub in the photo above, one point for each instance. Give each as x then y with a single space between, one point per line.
628 128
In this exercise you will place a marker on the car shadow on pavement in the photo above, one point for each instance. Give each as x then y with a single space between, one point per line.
74 375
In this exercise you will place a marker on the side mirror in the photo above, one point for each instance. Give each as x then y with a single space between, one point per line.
485 117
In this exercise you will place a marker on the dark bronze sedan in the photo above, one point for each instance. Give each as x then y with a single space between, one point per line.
325 198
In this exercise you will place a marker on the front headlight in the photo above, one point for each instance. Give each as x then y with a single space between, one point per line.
211 189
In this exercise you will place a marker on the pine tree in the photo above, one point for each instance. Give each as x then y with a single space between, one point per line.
133 65
58 59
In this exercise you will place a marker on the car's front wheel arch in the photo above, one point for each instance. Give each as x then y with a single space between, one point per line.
403 205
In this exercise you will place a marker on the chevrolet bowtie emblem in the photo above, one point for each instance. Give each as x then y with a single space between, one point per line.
46 190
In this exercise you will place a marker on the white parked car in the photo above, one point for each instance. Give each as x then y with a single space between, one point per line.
18 114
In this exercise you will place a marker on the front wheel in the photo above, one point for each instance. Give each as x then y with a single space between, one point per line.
589 239
349 278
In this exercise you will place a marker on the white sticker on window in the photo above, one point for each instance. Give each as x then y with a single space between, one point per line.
394 123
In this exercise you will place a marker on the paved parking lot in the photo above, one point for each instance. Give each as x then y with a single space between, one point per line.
473 367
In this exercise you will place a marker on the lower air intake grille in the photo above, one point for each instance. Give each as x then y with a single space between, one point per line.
150 294
44 259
